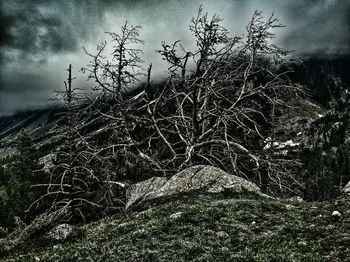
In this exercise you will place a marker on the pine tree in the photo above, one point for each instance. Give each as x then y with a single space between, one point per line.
24 171
3 206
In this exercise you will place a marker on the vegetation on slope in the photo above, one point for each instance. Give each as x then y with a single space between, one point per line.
208 228
236 110
21 171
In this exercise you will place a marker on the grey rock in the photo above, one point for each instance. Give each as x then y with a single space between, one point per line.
197 178
290 207
302 243
143 190
336 214
60 232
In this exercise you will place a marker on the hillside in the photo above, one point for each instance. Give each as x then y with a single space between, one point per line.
174 143
207 228
221 161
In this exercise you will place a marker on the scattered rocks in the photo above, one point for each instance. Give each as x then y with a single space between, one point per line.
61 232
197 178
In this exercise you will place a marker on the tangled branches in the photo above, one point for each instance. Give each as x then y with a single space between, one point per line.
218 106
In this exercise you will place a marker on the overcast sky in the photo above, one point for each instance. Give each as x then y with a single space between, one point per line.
40 38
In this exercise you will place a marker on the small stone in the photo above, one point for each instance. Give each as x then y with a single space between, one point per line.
290 207
302 243
336 214
253 223
176 215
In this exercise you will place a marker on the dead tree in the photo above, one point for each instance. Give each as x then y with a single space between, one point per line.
114 75
225 104
116 69
71 178
215 108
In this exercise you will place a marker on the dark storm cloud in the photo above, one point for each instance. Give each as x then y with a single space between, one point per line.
318 27
30 31
33 93
42 27
39 38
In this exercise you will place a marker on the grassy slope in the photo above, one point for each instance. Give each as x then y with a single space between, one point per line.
210 229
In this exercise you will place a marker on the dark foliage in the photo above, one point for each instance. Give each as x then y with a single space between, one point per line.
327 155
21 172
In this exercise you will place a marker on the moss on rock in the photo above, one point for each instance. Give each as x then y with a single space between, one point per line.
193 179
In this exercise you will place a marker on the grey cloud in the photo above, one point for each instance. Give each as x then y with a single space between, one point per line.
30 31
39 38
319 27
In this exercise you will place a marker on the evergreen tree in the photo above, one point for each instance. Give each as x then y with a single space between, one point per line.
24 171
327 156
3 206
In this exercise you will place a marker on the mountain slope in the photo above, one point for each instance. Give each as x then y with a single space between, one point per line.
208 228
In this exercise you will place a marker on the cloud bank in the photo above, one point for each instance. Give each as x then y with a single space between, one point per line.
39 38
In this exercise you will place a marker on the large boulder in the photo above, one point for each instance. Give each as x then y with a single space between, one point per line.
197 178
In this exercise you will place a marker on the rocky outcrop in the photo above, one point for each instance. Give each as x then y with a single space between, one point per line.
197 178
